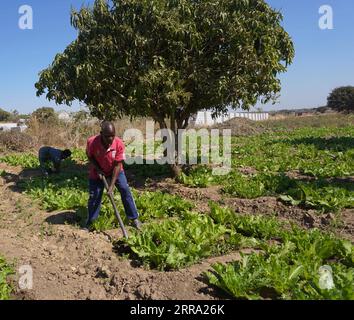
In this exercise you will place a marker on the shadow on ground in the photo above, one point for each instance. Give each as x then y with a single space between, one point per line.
75 217
64 217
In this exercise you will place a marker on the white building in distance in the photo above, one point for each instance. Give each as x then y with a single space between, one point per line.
204 118
64 116
20 126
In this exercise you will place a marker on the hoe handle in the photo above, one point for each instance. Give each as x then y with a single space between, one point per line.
110 195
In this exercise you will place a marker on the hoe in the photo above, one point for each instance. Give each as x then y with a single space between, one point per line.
115 208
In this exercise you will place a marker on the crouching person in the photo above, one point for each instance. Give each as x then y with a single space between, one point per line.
54 157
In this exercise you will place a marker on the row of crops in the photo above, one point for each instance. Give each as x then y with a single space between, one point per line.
286 261
322 155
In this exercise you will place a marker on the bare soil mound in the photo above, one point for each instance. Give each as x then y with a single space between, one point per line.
241 127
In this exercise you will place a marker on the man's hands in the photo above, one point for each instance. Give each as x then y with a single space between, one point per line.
110 189
109 183
117 169
100 174
97 167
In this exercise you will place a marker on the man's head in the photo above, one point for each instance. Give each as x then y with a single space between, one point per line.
108 133
66 154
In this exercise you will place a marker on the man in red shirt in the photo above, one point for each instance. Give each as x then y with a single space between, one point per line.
106 155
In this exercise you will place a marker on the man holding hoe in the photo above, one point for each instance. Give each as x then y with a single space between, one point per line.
106 155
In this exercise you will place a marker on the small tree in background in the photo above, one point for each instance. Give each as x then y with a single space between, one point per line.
81 115
45 115
341 99
4 115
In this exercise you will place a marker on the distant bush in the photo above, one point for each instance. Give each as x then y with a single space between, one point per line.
323 109
45 115
16 141
15 116
81 115
342 99
4 115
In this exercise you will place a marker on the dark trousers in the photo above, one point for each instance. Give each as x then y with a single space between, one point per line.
96 188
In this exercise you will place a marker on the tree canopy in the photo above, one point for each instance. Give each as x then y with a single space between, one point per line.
168 59
342 99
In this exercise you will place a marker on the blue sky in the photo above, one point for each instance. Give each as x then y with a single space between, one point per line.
324 58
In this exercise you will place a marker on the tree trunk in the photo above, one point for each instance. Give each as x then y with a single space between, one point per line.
175 124
176 170
176 166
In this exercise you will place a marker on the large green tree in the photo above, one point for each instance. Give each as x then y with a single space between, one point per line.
168 59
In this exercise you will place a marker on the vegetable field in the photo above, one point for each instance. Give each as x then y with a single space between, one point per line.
307 170
5 271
